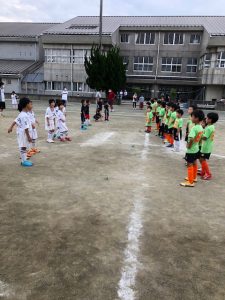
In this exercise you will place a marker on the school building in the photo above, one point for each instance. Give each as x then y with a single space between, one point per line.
183 53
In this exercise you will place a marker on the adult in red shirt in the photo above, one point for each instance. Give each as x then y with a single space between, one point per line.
111 98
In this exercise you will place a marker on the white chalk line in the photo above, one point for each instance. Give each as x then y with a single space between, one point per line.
131 264
98 139
5 290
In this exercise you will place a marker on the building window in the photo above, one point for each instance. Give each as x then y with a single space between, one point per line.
205 61
220 60
192 65
173 38
171 64
195 39
8 81
56 86
124 38
126 61
79 56
57 56
143 63
145 38
78 86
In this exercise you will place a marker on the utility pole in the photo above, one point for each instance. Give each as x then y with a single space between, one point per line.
100 25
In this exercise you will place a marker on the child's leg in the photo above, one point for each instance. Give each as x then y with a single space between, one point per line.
205 168
23 154
190 172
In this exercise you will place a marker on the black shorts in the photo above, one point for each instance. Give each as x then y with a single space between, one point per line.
192 157
166 128
2 105
204 155
157 120
170 130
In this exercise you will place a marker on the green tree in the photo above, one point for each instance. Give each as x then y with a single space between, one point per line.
173 94
105 70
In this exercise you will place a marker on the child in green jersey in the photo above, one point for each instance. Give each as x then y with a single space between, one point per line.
207 144
192 154
171 122
162 119
158 109
149 118
177 130
189 122
167 117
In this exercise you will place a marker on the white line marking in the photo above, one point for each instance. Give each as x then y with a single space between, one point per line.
131 264
5 290
98 139
144 152
218 155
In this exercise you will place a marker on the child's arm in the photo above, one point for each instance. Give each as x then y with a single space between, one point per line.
28 135
11 127
48 121
36 121
190 143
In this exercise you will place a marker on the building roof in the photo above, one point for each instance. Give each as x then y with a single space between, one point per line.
16 67
22 29
214 25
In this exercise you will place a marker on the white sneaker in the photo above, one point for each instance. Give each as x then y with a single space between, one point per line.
50 141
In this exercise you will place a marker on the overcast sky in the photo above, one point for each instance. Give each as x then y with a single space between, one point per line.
62 10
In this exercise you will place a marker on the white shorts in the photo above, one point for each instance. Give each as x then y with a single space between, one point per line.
51 125
14 102
33 133
22 140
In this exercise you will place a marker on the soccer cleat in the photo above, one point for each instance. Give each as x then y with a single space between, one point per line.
62 140
26 163
36 150
195 180
207 177
68 139
169 146
83 128
187 184
50 141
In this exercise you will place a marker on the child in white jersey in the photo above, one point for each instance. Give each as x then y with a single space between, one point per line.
63 129
14 100
33 132
50 120
23 135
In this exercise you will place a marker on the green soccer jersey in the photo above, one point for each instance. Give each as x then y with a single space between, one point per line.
207 145
158 109
149 118
162 113
190 125
168 116
195 134
172 119
178 123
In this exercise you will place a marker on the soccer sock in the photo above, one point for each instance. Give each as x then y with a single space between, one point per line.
195 170
49 136
33 144
191 174
23 154
171 140
205 168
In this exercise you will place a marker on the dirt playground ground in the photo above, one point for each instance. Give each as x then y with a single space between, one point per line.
104 217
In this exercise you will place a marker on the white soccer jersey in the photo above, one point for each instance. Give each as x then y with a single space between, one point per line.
22 122
32 121
14 99
64 95
62 122
51 115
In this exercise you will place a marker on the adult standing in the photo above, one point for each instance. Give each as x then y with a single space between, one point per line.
135 98
98 96
65 96
111 98
141 102
2 98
